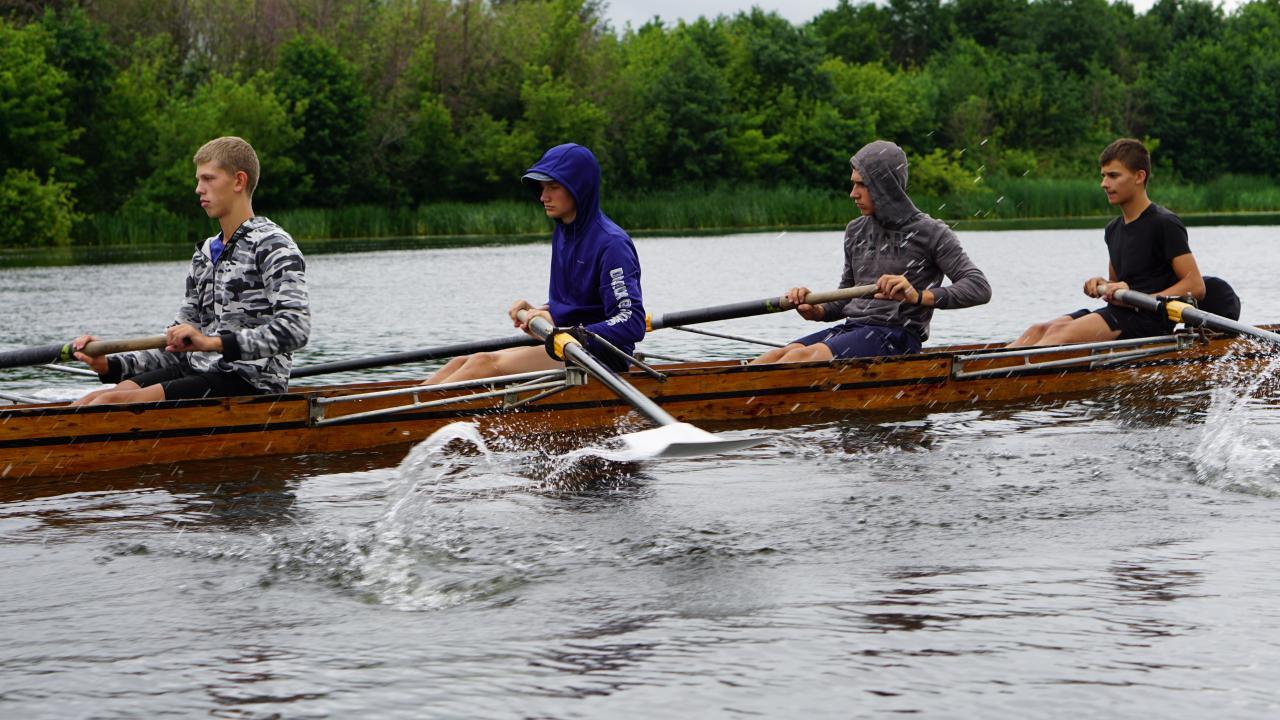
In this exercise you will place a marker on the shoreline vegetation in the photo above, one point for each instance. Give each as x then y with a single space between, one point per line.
407 123
1021 204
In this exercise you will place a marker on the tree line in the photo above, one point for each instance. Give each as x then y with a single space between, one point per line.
399 103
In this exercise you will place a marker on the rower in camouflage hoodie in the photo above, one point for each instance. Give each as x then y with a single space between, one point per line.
254 297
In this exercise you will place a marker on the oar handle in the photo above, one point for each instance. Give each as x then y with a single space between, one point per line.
110 347
818 298
754 307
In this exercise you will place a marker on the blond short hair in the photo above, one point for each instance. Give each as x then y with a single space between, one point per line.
232 154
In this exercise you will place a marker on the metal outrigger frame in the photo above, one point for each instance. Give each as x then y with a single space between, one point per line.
511 388
1101 354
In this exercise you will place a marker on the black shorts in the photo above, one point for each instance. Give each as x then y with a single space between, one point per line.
181 383
1131 322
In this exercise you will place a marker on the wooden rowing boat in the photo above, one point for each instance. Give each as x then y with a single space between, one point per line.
55 439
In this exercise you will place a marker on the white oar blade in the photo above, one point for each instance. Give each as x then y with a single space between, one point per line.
683 440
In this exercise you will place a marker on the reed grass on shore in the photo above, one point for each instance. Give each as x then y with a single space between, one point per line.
724 208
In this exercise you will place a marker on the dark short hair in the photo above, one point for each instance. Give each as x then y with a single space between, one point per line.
1131 153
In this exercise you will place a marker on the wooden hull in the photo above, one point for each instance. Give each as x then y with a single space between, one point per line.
57 440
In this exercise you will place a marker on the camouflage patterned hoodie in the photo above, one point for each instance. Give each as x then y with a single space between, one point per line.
898 239
254 298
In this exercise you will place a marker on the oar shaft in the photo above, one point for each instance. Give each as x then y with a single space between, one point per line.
1188 314
62 352
31 356
583 359
410 356
749 308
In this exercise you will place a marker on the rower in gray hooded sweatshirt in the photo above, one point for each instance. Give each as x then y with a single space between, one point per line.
902 251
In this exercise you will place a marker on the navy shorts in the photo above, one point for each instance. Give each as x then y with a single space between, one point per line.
182 383
1131 322
851 340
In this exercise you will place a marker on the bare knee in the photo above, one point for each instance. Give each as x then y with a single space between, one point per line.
487 363
809 353
776 354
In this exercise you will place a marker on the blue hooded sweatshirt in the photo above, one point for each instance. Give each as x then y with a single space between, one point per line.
595 272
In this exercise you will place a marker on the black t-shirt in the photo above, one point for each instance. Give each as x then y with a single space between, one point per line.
1142 251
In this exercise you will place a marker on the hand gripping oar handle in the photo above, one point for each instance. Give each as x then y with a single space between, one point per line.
1190 315
568 347
63 352
754 307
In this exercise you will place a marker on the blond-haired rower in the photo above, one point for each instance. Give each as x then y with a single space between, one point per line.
246 307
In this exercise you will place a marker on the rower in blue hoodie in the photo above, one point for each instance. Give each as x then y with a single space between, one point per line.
595 274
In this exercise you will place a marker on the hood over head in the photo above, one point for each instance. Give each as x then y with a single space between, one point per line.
576 168
883 167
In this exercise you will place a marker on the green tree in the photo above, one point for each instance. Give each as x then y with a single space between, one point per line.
416 151
556 113
1197 102
856 34
920 28
35 212
223 106
674 127
79 47
33 130
326 101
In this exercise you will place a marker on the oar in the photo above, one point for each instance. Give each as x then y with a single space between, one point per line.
672 319
409 356
1192 316
55 353
754 307
671 438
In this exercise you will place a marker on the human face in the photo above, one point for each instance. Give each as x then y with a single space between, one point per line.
1120 183
861 194
218 189
558 202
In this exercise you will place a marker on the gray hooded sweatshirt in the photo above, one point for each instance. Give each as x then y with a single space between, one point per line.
898 239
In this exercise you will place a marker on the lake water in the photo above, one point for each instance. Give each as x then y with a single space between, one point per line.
1113 556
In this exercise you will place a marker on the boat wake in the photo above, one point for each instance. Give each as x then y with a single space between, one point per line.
1238 449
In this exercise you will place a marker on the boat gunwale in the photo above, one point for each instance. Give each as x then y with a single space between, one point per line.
304 394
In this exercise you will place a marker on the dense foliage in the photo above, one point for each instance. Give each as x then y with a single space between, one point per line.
398 103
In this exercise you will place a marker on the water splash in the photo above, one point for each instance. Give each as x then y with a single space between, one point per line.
1238 450
448 533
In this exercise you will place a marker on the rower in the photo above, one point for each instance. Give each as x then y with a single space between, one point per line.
595 276
902 251
1149 253
246 307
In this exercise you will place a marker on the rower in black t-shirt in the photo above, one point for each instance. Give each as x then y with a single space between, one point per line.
1148 252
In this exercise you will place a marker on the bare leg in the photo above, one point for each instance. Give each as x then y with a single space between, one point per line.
775 354
1090 328
795 352
151 393
492 364
1033 334
444 373
92 398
